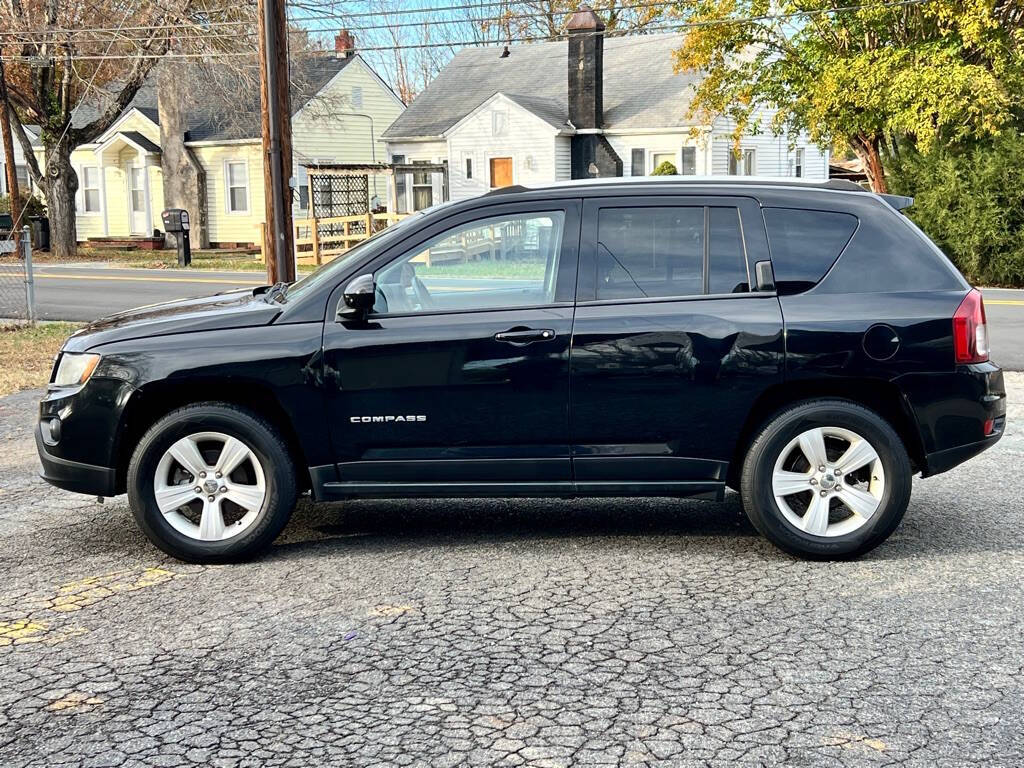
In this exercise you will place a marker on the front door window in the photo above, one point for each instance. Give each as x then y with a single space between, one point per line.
501 262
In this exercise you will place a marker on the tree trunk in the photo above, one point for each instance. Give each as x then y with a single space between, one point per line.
867 150
62 185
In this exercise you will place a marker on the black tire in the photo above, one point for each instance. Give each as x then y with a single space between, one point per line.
232 420
756 479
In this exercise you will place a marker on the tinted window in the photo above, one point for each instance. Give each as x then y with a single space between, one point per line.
805 244
501 262
650 252
887 254
727 264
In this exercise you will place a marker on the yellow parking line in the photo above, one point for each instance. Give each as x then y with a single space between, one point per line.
217 280
1008 302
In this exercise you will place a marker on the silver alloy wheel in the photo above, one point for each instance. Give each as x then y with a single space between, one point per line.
210 486
825 465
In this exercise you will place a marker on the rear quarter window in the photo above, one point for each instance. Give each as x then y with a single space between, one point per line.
804 244
888 254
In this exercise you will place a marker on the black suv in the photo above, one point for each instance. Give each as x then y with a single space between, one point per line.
804 344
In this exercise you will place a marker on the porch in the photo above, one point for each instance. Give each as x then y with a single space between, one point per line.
343 213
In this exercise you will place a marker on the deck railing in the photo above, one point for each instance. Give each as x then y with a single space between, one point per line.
322 239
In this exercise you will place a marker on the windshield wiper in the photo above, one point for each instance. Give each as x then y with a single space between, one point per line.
276 292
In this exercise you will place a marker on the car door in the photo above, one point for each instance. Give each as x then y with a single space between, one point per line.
670 346
458 380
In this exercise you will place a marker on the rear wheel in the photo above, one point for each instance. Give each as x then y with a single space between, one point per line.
826 479
211 482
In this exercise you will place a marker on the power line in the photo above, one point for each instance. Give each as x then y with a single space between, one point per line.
197 27
522 39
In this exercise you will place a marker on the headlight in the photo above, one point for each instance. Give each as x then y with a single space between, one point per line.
75 368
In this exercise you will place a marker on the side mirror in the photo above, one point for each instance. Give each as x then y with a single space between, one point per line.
358 299
764 276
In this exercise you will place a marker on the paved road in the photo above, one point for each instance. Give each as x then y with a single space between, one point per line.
82 293
538 633
1004 310
87 292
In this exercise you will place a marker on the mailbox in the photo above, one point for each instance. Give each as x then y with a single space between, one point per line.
176 223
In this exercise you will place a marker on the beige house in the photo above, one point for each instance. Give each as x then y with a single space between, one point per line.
340 108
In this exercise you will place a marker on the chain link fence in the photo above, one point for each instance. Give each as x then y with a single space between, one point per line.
17 290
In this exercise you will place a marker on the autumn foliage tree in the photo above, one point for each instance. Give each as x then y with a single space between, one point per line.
867 78
59 54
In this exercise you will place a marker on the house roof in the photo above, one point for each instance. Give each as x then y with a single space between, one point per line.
223 105
141 140
641 88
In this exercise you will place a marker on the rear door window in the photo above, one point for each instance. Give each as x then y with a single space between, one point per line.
669 251
805 244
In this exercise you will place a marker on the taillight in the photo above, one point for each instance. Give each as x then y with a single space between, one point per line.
970 333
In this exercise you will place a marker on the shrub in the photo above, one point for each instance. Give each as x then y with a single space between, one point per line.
970 201
665 168
32 206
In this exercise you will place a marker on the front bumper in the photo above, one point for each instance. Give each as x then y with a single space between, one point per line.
73 475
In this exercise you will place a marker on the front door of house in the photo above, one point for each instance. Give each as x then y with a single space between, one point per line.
137 200
501 172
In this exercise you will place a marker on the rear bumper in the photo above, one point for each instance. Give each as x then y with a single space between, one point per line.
940 461
73 475
960 414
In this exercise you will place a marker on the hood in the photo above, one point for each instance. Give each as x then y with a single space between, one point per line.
239 308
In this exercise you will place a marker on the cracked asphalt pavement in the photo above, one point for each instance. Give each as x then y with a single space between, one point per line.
508 632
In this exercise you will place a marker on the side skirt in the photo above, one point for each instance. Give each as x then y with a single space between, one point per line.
326 487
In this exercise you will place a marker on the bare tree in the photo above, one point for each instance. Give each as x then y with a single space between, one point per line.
78 65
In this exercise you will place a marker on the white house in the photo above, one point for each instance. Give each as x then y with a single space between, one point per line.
584 107
182 142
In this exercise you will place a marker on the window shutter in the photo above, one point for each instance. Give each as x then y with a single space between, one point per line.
636 163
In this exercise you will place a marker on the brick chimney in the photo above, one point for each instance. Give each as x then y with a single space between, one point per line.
586 68
344 44
591 153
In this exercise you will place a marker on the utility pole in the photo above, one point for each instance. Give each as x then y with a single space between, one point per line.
276 125
8 140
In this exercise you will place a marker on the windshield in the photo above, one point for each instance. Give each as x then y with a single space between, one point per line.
331 269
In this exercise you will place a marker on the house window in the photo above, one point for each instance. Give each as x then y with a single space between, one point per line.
499 123
469 167
657 158
688 161
400 184
422 188
236 174
357 97
90 181
744 165
636 162
798 168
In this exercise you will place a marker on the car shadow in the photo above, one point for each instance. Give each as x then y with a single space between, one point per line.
444 522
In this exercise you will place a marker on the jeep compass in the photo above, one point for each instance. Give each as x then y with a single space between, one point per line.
803 344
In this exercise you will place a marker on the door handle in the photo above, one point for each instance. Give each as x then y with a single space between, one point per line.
523 336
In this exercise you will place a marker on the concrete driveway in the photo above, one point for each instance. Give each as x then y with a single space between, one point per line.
540 633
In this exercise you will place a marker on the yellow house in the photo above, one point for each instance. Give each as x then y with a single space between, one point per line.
340 109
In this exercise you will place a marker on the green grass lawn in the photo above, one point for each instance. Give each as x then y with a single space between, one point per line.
28 354
210 260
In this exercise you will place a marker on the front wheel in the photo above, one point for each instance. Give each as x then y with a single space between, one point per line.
826 480
211 482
